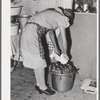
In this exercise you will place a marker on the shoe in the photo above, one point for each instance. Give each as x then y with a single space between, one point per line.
48 91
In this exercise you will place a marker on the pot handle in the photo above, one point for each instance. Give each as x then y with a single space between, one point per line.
60 78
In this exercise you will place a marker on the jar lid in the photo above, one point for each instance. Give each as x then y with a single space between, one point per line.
25 16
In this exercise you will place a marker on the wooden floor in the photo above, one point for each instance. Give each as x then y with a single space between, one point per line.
23 88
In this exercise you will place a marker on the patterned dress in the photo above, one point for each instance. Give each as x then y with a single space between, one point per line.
31 44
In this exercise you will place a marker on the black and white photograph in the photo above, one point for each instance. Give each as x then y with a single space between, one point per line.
52 50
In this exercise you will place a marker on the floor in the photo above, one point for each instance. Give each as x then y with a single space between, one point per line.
23 88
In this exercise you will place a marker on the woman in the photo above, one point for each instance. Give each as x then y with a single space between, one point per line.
31 43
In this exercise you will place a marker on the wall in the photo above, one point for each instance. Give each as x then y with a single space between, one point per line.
84 43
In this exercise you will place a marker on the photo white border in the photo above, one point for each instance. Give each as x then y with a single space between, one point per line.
5 50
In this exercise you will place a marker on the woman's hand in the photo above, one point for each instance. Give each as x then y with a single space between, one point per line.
65 56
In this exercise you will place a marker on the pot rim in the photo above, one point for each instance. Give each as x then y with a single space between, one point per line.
14 24
63 74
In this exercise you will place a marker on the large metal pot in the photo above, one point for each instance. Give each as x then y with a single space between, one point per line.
63 82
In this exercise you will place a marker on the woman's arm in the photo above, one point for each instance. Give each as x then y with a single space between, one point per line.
64 41
52 37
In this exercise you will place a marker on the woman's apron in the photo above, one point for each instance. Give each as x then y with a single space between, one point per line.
31 46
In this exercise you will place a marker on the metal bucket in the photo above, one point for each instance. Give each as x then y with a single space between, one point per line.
16 10
63 82
14 28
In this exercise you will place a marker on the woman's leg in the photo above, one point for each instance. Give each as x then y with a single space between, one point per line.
40 78
41 86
